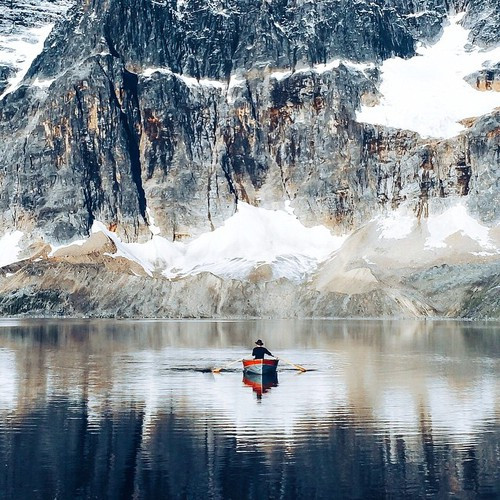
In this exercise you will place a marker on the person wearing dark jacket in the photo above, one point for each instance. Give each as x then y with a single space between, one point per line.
260 351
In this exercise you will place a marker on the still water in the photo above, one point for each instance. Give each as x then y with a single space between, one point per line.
130 409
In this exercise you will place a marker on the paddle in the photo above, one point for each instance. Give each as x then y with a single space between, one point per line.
217 370
298 367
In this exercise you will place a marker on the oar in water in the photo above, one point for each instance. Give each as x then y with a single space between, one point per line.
217 370
298 367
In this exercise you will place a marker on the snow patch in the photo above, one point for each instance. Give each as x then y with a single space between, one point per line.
400 224
21 51
416 15
255 235
9 248
43 84
395 226
427 93
152 227
188 80
134 252
235 82
456 219
251 237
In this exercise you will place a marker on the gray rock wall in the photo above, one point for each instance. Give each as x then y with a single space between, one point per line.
104 137
104 142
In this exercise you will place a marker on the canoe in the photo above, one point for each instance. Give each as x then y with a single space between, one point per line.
260 366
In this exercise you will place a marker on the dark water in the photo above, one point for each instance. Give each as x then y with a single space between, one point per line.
120 409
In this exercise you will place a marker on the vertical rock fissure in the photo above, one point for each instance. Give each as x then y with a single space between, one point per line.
109 42
227 174
130 84
90 169
130 87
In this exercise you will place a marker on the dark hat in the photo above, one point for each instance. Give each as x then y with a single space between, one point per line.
259 342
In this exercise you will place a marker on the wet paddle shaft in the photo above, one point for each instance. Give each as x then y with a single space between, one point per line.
217 370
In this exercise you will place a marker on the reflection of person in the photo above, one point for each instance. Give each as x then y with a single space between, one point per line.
260 351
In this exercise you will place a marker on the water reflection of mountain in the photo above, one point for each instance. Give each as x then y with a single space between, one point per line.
400 408
450 337
56 452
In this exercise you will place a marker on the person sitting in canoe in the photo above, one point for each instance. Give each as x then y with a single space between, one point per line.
260 351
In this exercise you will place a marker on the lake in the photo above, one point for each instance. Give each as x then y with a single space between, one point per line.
130 409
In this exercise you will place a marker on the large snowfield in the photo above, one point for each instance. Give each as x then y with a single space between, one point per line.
427 93
251 237
254 237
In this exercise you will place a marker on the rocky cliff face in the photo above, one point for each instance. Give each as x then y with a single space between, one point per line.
142 114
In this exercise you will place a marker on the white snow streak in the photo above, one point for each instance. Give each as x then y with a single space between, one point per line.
320 68
238 80
428 93
56 248
152 227
188 80
21 51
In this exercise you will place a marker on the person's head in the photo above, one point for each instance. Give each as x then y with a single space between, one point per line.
259 342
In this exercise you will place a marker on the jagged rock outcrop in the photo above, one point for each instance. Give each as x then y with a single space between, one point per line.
183 109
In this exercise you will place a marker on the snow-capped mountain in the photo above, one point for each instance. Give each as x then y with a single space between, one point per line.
250 147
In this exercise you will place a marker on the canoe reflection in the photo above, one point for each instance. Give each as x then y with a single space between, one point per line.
260 383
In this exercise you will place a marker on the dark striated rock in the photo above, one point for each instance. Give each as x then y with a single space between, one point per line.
191 149
486 80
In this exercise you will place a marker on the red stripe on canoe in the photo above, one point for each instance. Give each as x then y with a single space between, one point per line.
270 362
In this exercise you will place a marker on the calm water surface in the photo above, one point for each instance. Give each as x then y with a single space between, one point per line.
124 409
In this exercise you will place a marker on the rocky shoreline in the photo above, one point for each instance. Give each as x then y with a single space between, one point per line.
106 290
